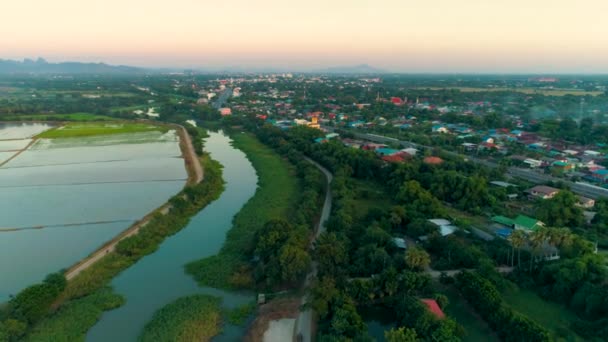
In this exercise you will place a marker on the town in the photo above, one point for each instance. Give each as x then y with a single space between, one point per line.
447 200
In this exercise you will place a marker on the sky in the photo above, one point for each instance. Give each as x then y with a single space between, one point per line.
505 36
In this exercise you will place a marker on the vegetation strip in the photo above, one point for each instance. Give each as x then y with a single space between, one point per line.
274 197
192 318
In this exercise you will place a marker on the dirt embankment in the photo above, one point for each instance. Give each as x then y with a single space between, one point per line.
274 310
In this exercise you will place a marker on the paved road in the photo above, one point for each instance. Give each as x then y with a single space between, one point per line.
222 98
527 174
304 322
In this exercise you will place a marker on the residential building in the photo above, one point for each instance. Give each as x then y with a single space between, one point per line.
542 191
526 223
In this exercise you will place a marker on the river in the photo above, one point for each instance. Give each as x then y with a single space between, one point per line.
159 278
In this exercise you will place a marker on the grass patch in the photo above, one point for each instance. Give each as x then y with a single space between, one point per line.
277 193
72 130
461 312
73 320
369 195
554 317
57 117
192 318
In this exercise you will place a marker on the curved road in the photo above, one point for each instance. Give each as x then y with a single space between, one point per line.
304 323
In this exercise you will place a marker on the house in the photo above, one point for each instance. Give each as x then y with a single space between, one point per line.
433 308
383 151
533 163
400 157
585 202
526 223
600 175
502 184
411 151
469 147
562 165
439 129
400 243
372 146
503 221
433 160
445 227
593 154
225 111
542 191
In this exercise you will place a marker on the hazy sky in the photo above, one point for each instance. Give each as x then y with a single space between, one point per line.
397 35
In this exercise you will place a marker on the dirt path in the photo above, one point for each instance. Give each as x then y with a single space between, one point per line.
19 151
190 157
195 174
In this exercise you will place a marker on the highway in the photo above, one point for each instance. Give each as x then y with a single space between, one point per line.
532 176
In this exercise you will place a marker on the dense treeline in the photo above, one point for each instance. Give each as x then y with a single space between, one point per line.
485 298
29 307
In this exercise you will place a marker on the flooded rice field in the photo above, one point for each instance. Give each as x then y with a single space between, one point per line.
62 198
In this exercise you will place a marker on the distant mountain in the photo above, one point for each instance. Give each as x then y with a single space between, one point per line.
41 66
356 69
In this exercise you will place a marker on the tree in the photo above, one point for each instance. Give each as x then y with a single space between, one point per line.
323 291
331 254
401 334
518 240
417 258
561 210
346 321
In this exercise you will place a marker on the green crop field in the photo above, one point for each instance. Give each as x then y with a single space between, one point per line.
461 312
554 317
72 130
56 117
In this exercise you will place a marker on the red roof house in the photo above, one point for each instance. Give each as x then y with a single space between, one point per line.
433 160
433 307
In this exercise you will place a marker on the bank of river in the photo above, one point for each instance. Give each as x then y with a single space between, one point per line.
159 278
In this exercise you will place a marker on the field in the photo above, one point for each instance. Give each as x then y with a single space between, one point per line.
546 92
277 192
461 312
72 130
193 318
552 316
56 117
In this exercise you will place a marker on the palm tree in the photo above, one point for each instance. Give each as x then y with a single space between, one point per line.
537 240
518 239
559 237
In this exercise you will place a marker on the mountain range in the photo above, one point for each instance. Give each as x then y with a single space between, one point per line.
41 66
